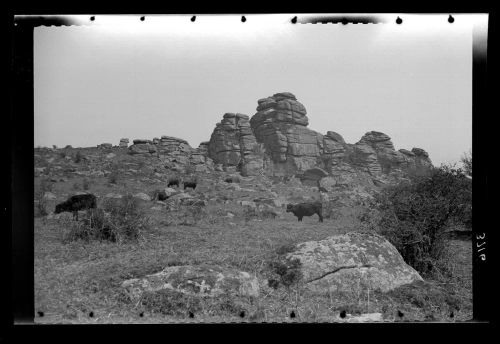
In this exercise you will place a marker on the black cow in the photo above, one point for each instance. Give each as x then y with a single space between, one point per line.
160 195
189 185
75 203
172 182
306 209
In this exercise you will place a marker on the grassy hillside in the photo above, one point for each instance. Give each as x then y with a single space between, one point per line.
78 281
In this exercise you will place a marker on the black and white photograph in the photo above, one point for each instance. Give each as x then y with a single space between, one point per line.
254 168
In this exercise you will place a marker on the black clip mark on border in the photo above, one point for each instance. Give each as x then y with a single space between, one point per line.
371 19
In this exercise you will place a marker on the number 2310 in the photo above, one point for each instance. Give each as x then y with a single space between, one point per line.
479 244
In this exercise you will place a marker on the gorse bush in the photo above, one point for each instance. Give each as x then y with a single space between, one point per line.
466 161
118 221
413 216
126 217
86 184
78 157
288 272
114 175
40 201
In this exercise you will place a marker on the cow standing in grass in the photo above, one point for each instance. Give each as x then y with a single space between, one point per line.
76 203
306 209
172 182
191 185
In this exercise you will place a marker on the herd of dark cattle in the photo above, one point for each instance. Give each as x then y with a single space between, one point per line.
177 182
89 201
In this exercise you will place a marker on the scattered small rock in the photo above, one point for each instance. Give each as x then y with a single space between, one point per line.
143 196
113 195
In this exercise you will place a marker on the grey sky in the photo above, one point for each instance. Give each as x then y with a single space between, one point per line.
142 80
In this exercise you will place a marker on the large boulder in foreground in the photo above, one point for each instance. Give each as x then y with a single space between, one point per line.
202 280
353 262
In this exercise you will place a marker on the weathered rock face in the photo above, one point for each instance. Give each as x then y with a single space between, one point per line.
174 153
353 262
206 281
312 176
277 142
375 153
233 144
418 158
281 125
203 148
142 146
105 145
334 150
123 143
170 144
177 154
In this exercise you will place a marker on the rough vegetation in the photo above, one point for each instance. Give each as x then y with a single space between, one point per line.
178 225
416 216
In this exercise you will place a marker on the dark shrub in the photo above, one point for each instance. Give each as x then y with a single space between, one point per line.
126 218
86 184
287 270
414 216
40 201
78 157
114 175
41 205
118 220
466 161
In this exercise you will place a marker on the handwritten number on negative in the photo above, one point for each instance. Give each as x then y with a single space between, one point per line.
478 245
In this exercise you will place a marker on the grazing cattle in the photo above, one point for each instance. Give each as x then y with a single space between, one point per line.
189 185
75 203
160 195
306 209
172 182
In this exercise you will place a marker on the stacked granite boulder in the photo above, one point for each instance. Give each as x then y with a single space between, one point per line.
281 125
416 159
334 150
375 154
276 141
105 146
174 152
233 144
170 144
123 143
203 148
143 147
178 155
